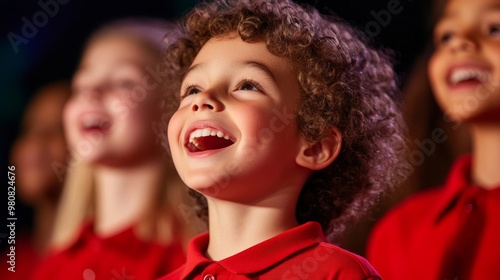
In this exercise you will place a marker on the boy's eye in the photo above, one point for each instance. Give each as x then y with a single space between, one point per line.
190 90
248 85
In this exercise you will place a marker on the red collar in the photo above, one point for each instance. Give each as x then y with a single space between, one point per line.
458 186
123 241
257 257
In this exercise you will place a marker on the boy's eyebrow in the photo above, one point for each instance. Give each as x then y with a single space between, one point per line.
247 63
259 66
190 69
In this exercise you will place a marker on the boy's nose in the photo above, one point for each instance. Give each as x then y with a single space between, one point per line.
205 100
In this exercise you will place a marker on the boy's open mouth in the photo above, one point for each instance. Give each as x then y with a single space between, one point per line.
208 139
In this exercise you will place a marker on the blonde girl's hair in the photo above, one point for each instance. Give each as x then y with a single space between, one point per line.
163 222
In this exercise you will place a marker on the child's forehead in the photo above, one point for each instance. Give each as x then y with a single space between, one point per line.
468 8
235 36
255 46
230 58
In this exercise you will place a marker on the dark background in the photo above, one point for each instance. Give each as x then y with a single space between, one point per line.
52 54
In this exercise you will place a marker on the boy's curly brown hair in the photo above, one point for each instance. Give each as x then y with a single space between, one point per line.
344 84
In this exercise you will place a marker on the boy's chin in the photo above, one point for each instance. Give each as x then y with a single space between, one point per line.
208 190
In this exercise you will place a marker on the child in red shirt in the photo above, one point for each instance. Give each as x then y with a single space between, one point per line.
285 131
117 219
452 232
40 143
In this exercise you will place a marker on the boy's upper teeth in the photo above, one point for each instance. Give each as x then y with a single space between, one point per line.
460 75
204 132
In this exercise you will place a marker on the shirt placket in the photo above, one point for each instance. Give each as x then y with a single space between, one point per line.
215 272
462 250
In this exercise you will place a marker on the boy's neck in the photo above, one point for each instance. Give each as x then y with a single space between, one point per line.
486 155
235 227
123 195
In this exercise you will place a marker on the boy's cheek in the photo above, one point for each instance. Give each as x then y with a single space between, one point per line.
173 143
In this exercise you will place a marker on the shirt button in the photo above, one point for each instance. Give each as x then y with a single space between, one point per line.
209 277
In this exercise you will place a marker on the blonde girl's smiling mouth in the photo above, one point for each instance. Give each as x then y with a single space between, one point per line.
92 122
203 138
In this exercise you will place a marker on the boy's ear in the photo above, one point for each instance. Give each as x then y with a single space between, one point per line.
322 153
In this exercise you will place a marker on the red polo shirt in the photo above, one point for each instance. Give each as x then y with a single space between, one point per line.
450 232
117 257
299 253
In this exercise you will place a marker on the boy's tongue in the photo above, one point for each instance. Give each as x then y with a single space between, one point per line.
210 143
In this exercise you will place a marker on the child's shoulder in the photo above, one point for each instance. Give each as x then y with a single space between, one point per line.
322 260
407 209
405 217
329 261
423 205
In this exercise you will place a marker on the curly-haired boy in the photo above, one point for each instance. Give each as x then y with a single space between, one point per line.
286 131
